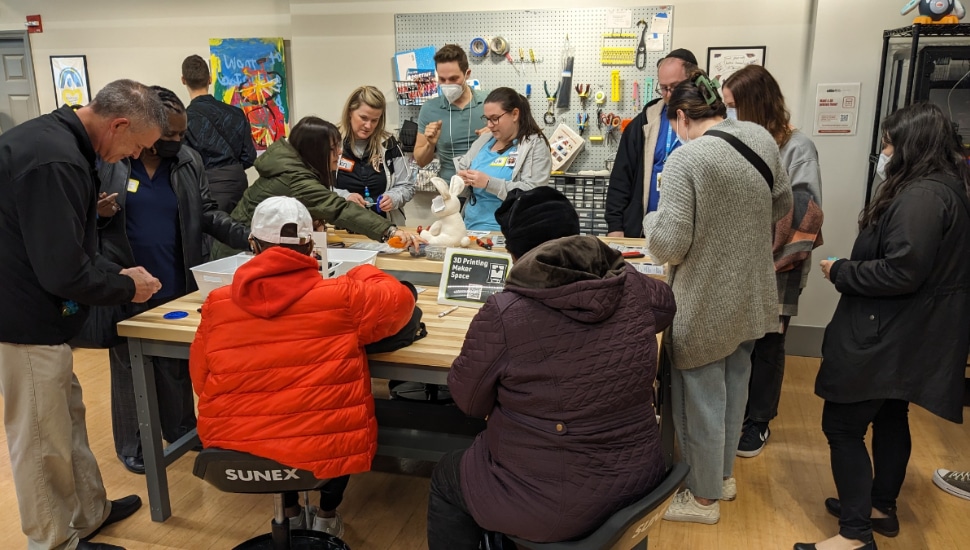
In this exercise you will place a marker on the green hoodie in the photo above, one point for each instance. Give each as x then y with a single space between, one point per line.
283 173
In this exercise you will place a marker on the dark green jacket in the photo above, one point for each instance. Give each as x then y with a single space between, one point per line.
283 173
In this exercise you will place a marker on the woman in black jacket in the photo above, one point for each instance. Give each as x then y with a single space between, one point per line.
900 332
154 211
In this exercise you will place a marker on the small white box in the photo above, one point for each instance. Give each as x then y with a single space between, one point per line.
345 259
212 275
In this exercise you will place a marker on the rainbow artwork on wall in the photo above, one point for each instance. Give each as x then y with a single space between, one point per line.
250 73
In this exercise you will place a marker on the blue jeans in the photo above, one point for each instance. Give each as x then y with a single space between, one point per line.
708 409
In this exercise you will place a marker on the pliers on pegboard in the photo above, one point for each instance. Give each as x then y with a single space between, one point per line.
550 117
581 120
582 90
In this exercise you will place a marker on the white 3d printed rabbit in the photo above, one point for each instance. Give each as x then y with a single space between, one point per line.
449 229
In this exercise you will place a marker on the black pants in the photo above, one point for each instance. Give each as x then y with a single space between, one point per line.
450 526
863 485
227 185
173 388
767 374
331 495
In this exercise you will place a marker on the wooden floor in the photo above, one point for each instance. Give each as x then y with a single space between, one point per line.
780 493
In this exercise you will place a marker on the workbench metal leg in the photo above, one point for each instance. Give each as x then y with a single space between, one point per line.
149 426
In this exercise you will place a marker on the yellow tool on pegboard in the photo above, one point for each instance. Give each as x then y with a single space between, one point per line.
615 86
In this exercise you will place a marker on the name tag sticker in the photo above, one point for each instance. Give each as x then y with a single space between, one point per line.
345 165
500 162
133 185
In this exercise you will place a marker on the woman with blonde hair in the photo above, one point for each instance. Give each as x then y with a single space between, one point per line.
372 170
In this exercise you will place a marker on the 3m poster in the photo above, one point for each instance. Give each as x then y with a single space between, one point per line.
250 73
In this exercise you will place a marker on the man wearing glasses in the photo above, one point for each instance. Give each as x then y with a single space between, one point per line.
646 144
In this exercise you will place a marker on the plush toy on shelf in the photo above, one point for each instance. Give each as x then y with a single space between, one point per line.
938 12
449 228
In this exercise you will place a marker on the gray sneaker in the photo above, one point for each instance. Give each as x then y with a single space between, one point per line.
955 483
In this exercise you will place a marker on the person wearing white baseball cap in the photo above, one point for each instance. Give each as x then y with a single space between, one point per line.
278 361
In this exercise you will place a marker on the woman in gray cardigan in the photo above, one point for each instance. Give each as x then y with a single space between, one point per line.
713 227
513 154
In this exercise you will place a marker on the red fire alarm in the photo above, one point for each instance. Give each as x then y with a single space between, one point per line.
34 24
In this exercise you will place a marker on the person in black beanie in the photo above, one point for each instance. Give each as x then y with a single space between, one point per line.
553 361
541 214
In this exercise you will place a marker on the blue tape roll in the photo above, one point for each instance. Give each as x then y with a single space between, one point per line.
478 47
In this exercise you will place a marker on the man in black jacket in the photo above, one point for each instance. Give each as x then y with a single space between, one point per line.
163 209
220 133
50 271
644 147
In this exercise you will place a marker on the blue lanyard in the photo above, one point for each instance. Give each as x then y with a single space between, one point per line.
668 147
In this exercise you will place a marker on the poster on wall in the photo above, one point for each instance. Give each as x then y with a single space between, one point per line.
723 62
70 74
250 73
837 109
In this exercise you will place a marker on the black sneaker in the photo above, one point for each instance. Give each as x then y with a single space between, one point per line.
754 436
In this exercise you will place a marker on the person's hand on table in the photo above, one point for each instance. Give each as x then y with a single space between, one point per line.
474 178
357 199
410 240
107 206
615 234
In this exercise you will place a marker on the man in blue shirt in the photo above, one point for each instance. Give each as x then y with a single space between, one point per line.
644 147
451 122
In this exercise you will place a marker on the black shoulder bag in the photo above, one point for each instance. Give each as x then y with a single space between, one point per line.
747 153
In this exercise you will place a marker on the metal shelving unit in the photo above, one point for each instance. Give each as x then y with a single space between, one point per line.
895 62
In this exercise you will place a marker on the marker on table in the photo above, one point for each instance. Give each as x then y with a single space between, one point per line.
448 311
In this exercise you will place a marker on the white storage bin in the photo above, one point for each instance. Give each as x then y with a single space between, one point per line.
345 259
212 275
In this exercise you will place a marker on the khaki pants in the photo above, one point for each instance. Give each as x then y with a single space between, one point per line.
59 488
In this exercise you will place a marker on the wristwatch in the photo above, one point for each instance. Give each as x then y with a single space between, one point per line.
389 233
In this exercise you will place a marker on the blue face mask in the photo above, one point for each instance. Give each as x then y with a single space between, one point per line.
732 113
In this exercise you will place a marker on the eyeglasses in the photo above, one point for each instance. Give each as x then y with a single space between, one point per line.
664 90
493 120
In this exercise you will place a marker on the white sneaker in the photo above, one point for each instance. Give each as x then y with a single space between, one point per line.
729 489
331 526
299 522
685 508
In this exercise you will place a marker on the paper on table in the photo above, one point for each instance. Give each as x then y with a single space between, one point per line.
654 42
661 23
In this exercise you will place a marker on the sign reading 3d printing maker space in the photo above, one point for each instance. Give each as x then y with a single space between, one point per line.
471 276
837 109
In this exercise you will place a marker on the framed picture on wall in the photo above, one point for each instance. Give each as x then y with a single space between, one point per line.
70 73
725 61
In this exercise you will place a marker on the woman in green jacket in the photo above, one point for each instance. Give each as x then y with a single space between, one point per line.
302 167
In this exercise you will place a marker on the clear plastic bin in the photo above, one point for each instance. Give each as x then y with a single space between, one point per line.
217 273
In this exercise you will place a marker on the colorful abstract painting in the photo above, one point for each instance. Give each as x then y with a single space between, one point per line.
250 73
71 85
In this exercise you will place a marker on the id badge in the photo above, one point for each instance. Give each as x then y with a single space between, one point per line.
660 176
499 162
512 158
437 204
133 185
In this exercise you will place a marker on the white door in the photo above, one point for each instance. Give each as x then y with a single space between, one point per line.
18 96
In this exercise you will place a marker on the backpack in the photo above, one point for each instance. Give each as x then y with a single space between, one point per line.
413 330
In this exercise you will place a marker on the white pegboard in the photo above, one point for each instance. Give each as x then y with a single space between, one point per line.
545 32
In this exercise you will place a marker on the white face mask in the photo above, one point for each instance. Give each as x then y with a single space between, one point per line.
732 113
881 165
452 92
682 140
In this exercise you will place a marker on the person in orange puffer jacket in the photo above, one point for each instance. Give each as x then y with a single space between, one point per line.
278 361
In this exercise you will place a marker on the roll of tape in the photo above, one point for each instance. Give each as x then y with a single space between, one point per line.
599 96
478 47
500 46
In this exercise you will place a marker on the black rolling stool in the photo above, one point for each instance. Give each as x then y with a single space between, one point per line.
628 528
236 472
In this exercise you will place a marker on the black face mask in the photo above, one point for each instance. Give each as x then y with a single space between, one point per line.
167 149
